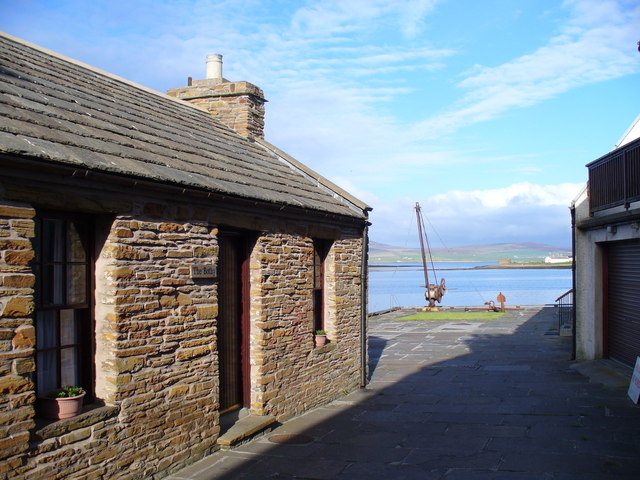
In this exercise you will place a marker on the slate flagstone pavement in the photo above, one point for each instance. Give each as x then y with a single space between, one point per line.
467 400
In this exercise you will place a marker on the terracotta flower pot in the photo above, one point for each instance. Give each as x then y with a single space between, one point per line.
59 408
321 340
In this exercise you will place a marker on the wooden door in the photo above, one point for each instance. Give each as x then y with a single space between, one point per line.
233 341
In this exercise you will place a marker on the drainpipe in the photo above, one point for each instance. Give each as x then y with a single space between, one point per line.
364 309
573 278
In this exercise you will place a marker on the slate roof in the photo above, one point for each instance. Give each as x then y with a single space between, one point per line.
58 110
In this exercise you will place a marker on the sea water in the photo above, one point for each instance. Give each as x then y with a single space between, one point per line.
402 286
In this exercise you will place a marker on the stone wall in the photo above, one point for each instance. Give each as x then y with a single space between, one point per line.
290 374
17 334
156 342
156 364
239 105
155 328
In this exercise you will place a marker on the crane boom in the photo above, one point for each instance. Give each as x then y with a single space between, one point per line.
434 291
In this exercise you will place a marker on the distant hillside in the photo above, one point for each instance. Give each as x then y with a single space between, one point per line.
517 252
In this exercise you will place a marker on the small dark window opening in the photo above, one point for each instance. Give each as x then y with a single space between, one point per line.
64 303
320 251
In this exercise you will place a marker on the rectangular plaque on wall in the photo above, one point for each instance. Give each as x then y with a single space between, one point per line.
203 271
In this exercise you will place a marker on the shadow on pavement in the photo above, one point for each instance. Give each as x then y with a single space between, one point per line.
455 401
376 346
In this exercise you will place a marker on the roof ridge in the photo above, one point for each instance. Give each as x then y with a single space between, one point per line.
64 111
314 175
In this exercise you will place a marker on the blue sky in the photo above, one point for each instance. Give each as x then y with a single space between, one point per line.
485 112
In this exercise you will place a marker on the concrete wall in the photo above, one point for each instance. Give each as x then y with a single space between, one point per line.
590 244
588 296
155 332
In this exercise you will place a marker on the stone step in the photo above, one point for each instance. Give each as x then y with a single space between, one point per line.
245 429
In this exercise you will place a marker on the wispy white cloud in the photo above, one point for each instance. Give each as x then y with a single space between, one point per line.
597 44
413 16
527 169
335 74
517 193
521 210
338 17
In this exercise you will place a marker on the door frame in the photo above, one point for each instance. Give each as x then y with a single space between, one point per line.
243 243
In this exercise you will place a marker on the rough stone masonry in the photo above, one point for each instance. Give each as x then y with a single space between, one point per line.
156 362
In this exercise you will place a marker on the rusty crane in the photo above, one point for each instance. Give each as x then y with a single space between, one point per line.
434 291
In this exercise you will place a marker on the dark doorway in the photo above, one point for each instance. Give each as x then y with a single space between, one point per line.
622 301
233 320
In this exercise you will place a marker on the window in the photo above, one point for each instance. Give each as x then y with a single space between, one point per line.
320 250
63 319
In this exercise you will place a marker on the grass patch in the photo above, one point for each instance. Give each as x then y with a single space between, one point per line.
454 316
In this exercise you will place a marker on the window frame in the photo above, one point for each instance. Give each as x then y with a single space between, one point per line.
318 271
79 342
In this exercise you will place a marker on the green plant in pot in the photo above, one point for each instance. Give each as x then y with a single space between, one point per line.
320 337
62 403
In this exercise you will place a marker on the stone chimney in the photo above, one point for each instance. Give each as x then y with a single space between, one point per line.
239 105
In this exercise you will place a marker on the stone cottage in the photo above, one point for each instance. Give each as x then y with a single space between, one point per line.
168 260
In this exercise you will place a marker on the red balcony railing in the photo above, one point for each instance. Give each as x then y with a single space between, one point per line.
614 179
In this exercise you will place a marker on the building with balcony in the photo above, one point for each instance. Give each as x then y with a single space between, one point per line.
606 219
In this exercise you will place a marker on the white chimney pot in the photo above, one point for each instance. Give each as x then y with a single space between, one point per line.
214 67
